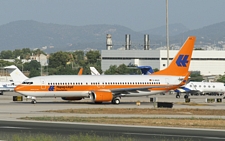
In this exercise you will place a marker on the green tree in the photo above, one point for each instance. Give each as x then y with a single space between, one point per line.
67 70
5 63
34 72
196 76
34 67
122 69
38 52
6 54
221 78
78 55
58 59
111 70
93 56
26 53
16 53
155 69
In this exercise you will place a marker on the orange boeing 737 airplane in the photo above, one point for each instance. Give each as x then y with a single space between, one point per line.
109 88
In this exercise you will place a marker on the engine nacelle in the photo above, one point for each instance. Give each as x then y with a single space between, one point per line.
101 96
71 98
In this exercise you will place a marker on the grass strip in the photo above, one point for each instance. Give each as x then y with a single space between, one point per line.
47 137
169 122
143 111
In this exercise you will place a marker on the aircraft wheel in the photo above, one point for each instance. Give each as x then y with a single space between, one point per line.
116 101
177 96
34 101
185 96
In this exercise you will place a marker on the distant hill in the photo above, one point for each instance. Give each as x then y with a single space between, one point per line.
32 34
208 34
174 29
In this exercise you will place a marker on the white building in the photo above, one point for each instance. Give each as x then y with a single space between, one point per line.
208 62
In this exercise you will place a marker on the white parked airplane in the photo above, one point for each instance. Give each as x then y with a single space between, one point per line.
17 76
200 87
9 86
6 86
104 88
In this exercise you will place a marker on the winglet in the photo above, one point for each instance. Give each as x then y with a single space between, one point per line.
94 71
181 62
80 71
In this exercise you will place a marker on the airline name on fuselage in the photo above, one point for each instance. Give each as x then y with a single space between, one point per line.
60 88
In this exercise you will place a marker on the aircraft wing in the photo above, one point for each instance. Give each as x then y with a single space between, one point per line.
186 90
133 90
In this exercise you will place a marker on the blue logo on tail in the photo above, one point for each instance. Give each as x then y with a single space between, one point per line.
182 60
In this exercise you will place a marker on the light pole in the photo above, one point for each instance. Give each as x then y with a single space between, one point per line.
1 70
167 34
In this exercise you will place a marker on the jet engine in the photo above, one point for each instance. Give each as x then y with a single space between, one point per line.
99 97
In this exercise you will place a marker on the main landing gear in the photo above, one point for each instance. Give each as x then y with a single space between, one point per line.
178 95
33 99
115 100
185 96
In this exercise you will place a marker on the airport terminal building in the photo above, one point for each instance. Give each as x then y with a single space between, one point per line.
208 62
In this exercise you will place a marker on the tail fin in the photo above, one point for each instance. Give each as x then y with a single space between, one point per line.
80 71
94 71
17 76
180 64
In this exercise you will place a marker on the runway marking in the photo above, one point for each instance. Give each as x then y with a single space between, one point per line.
204 137
11 127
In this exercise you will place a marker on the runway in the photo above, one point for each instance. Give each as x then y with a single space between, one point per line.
134 132
10 112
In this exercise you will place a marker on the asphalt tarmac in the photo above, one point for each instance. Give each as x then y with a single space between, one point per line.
11 110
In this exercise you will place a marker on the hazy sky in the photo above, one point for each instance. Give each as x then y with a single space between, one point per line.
135 14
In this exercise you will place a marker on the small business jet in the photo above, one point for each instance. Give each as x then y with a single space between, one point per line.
109 88
191 87
200 87
17 76
6 86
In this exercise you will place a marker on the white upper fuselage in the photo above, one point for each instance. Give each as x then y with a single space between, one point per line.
82 85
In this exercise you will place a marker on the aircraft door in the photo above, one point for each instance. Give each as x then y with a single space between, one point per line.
167 81
43 86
